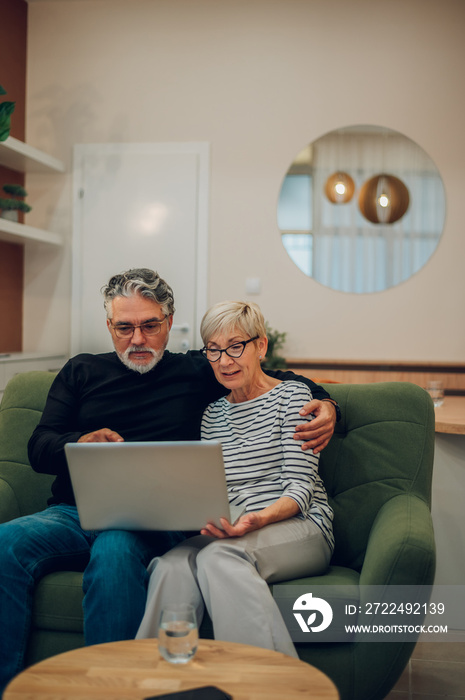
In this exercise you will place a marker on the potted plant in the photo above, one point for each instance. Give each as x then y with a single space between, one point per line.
275 342
10 206
6 109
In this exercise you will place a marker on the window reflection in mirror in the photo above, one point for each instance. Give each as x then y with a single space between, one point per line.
371 238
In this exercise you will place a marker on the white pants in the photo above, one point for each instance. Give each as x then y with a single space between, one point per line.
230 578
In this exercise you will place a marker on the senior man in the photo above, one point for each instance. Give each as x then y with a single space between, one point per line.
139 392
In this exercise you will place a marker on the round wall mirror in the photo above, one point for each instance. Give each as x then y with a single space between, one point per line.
361 209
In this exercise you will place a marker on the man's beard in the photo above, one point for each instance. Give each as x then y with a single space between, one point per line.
135 366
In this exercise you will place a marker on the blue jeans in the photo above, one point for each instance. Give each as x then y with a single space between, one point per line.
114 584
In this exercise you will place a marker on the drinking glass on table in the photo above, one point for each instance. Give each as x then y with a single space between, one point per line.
436 390
178 634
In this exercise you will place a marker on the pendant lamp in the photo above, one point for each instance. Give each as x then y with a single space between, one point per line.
383 199
339 188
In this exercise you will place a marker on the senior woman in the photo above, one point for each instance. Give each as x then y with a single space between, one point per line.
286 530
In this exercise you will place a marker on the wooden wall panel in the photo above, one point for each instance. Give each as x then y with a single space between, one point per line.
13 59
11 296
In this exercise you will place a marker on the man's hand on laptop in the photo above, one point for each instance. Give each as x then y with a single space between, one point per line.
317 432
102 435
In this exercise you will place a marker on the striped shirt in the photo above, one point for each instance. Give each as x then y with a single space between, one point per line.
262 460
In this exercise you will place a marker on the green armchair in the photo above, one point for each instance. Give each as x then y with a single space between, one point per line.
377 471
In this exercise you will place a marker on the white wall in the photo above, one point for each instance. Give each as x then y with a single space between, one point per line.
258 79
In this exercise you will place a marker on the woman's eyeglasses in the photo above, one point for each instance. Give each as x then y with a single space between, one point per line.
235 350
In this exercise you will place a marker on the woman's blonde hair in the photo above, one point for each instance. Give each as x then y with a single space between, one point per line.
231 315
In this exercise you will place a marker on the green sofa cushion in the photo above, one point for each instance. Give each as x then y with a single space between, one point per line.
58 602
376 453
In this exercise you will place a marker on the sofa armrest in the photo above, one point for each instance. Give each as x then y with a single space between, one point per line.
401 549
8 502
22 491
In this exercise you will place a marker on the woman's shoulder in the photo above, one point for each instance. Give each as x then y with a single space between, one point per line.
219 405
293 388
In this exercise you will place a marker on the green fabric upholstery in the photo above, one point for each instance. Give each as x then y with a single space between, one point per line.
377 471
22 491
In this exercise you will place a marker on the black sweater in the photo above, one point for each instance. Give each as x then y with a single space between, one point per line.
97 391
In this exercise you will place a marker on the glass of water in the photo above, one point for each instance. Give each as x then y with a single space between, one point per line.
178 634
436 390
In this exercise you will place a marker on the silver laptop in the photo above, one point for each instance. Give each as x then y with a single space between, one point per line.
149 485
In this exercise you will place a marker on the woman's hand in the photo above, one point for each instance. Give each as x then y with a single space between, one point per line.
246 523
282 509
317 432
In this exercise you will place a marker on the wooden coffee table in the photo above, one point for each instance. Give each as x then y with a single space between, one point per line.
134 670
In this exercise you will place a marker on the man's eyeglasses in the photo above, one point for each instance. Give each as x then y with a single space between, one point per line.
126 330
235 350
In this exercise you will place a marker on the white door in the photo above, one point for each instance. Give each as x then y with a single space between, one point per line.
139 205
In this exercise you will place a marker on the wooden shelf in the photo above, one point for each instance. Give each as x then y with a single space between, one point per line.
16 155
451 374
13 232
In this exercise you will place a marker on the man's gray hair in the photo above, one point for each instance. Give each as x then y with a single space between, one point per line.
142 281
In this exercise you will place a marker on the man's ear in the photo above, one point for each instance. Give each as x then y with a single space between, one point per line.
170 321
